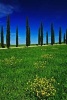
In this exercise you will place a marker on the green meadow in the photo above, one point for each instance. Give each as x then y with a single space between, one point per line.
19 65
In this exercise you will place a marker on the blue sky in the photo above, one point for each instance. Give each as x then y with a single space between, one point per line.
37 11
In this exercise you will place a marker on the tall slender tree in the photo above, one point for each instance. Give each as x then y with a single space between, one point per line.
39 37
17 36
47 38
60 32
29 36
66 36
27 33
41 34
2 37
52 35
8 32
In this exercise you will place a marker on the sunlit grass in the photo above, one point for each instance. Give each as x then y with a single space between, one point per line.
18 66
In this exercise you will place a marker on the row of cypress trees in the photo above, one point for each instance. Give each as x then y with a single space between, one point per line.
28 42
8 35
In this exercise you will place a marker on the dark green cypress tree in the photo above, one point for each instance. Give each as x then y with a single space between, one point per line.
47 38
6 39
17 36
66 36
27 33
8 33
52 35
2 37
29 37
41 34
60 35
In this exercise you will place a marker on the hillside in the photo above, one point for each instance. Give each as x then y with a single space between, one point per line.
18 66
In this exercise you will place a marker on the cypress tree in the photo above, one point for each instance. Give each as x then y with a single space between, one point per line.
8 33
29 36
27 33
66 36
41 34
60 35
6 39
47 38
17 36
2 37
52 35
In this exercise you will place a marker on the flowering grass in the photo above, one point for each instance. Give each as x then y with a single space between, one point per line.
47 56
41 88
40 64
19 65
11 61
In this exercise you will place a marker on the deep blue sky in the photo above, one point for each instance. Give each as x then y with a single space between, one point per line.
37 11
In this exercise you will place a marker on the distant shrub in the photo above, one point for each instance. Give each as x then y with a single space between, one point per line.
36 44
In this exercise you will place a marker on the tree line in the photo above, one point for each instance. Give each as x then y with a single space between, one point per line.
28 40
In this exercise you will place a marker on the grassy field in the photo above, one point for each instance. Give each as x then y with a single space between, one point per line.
18 66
